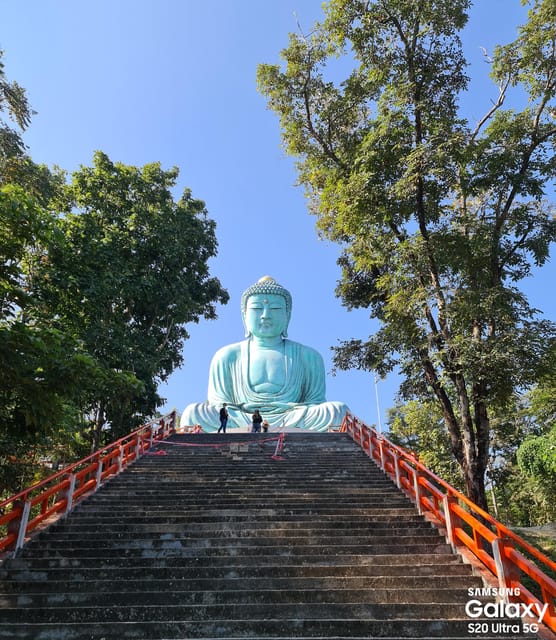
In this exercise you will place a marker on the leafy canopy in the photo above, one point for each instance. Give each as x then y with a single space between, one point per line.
130 270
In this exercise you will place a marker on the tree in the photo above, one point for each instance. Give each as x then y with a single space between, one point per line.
125 276
438 218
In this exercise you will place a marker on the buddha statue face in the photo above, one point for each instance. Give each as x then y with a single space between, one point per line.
266 309
266 316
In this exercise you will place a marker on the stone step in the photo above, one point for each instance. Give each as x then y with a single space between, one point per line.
231 530
340 467
132 581
237 611
231 453
170 548
182 524
251 488
247 464
227 478
239 591
226 471
247 513
183 461
298 466
179 455
275 629
157 567
255 503
244 490
322 440
397 517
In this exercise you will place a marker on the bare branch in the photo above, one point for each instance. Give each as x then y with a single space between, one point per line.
502 89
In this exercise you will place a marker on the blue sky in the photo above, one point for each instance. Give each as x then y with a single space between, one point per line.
174 81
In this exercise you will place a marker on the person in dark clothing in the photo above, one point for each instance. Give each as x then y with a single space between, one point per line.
223 419
256 422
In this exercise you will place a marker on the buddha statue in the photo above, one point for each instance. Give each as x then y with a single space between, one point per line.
283 379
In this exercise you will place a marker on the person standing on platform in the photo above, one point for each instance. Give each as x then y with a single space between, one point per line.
223 419
256 422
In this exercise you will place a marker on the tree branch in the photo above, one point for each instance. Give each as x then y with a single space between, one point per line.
502 88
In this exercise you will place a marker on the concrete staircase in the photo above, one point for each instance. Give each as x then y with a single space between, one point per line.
208 538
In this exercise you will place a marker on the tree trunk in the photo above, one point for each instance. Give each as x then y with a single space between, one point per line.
475 447
97 428
475 486
469 440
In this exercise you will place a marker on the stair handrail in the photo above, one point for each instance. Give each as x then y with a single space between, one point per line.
465 523
58 494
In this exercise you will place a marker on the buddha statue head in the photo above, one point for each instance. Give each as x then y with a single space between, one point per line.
266 294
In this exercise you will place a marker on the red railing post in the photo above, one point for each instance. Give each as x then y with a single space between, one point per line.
417 489
23 521
381 451
508 574
396 461
171 423
121 459
67 494
99 474
452 520
359 435
371 445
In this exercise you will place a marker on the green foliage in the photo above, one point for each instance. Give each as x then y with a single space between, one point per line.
24 228
419 427
537 457
45 374
438 218
522 500
518 499
125 275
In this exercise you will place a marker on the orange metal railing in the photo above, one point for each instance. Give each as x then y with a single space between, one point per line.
509 557
56 496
